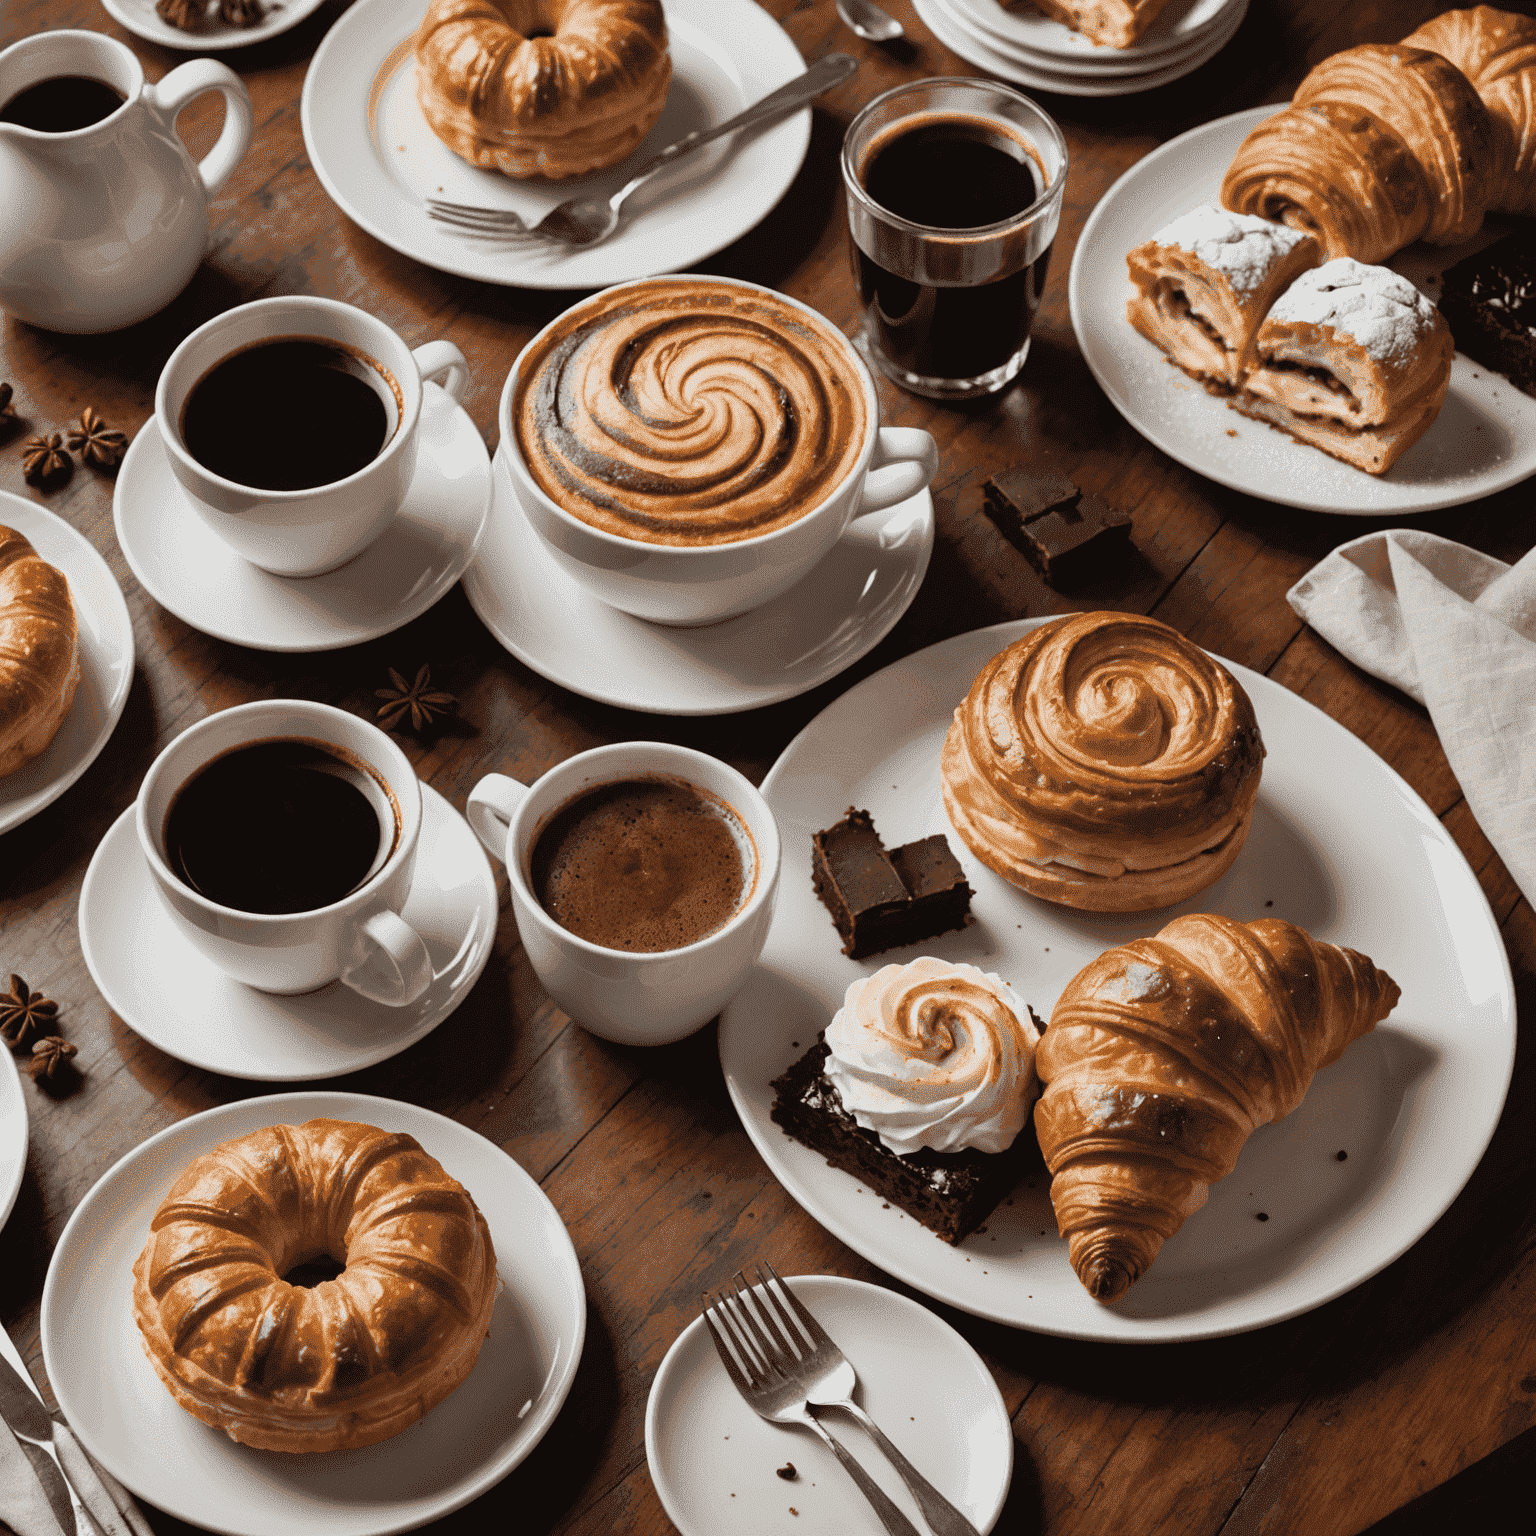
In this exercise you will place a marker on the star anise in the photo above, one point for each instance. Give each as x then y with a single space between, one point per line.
185 14
241 13
43 457
418 700
50 1058
95 441
25 1014
6 408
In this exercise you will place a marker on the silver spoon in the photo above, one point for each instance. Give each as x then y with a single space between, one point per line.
869 22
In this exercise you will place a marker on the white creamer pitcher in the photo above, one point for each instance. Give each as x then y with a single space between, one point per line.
103 226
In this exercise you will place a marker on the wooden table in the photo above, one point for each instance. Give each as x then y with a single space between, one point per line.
1319 1425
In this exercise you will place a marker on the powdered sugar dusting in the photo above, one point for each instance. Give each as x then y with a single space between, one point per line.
1383 312
1240 246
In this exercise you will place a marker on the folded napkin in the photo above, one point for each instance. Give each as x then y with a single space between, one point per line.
1457 630
23 1505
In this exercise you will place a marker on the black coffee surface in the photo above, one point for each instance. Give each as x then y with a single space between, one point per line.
278 826
950 173
62 103
643 865
286 415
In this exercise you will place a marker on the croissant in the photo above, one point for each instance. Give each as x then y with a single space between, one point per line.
1161 1058
39 651
1496 51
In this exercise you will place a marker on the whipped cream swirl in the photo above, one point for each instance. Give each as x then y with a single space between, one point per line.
936 1055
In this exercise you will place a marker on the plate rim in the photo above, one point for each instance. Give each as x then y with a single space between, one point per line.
1169 1329
11 1075
1073 52
208 42
473 1486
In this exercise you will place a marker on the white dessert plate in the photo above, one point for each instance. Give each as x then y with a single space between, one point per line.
13 1134
379 161
1339 844
109 1392
165 990
105 637
979 50
215 35
190 570
838 613
713 1461
1182 24
1483 441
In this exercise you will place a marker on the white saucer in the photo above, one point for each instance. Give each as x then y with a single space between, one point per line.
112 1398
13 1133
190 570
712 1459
1181 25
842 610
216 35
106 662
379 161
163 989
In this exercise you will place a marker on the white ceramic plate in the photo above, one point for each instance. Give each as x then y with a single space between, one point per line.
1181 24
1339 844
190 570
106 662
1483 441
376 157
713 1460
13 1134
841 611
216 35
127 1420
980 51
165 990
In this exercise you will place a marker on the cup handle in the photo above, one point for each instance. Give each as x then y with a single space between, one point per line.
389 964
492 804
442 357
905 460
184 82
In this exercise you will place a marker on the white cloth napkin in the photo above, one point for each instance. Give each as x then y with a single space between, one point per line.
1457 630
23 1505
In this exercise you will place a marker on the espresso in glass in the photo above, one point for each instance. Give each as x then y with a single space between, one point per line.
643 864
62 104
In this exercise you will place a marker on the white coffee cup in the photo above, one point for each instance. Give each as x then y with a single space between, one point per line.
361 940
704 583
307 532
644 998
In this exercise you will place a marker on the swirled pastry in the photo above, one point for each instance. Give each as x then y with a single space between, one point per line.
542 87
1105 762
1205 282
1496 51
1354 360
39 651
689 411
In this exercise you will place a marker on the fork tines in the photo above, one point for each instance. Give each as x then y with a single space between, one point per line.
504 223
758 1325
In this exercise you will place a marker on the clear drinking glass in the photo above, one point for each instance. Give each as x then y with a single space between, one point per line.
954 193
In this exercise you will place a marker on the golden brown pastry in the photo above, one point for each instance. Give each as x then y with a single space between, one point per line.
1496 51
347 1362
1205 282
1354 360
1161 1058
39 651
542 87
1105 762
1116 23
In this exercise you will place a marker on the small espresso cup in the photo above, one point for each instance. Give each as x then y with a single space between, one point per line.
705 387
361 939
636 998
306 532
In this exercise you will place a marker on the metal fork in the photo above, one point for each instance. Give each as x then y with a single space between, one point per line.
582 221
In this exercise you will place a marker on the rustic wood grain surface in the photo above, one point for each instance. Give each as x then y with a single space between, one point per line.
1319 1425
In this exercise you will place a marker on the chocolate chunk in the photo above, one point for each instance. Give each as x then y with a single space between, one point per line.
1489 302
1061 532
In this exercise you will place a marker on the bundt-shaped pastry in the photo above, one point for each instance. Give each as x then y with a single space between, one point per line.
1104 762
351 1360
542 87
39 651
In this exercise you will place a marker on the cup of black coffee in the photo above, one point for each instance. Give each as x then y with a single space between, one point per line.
291 425
954 194
643 878
282 839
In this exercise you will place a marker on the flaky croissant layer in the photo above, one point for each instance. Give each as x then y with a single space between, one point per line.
1165 1054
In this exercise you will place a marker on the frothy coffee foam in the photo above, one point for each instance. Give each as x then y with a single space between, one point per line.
689 412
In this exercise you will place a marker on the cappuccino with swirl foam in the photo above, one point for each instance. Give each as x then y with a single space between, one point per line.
690 411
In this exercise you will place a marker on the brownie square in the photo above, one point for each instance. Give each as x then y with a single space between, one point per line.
1489 302
951 1193
1057 529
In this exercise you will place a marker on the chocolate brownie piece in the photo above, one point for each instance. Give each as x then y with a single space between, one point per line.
1489 302
1057 529
879 900
949 1192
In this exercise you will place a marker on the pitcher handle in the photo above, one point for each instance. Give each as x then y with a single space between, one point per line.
191 79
